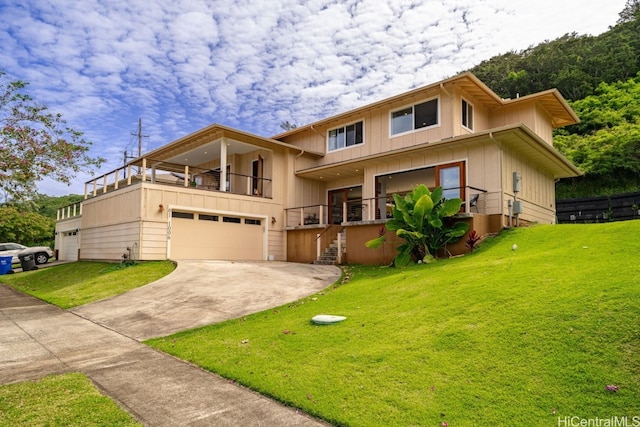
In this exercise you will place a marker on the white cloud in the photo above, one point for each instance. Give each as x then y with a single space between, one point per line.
183 65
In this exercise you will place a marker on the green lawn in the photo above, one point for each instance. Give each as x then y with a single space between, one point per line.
59 400
77 283
499 337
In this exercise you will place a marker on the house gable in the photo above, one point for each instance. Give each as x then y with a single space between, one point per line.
465 105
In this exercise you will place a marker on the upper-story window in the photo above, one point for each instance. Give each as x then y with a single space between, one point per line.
415 117
467 115
345 136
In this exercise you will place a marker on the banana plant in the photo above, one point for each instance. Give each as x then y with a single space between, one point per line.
423 219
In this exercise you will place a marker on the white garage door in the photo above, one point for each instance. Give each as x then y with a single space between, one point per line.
213 236
69 246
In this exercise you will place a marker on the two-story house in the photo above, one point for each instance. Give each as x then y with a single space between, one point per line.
222 193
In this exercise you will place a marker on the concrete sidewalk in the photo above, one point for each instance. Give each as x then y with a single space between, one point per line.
39 339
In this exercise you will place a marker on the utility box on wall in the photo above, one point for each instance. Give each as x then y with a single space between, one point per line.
516 182
517 207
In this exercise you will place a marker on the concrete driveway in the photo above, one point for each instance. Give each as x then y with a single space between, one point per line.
199 293
38 339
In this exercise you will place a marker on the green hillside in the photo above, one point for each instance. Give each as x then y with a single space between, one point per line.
599 75
498 337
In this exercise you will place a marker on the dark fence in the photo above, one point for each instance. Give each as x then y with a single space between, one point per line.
617 207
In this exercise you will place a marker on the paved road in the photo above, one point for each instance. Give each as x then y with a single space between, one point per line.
38 339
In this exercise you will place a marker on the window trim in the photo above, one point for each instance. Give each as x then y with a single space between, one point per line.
344 126
462 115
462 179
412 106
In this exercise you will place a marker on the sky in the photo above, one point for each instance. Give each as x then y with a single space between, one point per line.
252 64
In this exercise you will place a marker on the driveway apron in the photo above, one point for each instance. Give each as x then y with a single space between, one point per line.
38 339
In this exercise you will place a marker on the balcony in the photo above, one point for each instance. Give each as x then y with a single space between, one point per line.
370 210
171 174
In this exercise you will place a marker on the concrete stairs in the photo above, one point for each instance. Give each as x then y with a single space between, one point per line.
330 254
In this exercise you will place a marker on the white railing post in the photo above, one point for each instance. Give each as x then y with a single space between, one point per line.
467 207
317 246
74 209
104 184
116 177
128 174
322 215
186 176
144 169
344 212
339 248
80 208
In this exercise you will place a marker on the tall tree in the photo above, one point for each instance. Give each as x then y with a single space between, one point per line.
630 12
25 227
36 143
606 143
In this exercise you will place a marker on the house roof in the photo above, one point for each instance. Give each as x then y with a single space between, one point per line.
518 138
204 144
551 100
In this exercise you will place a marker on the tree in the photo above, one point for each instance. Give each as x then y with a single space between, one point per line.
606 143
630 12
48 205
36 143
27 228
423 219
287 126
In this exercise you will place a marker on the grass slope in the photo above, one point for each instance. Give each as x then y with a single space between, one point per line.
77 283
59 400
498 337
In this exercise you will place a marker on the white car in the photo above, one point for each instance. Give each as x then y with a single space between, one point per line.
41 253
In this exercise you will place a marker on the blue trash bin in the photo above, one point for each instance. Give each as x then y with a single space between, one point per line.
5 264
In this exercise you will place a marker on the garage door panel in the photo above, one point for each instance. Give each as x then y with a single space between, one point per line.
69 246
208 239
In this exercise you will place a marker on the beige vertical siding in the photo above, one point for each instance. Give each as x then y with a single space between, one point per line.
529 113
537 189
133 217
109 242
110 224
153 245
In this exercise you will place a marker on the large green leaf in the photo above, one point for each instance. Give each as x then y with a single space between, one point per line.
403 258
450 207
401 204
409 220
423 207
420 191
415 236
375 243
458 230
436 194
394 224
435 222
